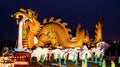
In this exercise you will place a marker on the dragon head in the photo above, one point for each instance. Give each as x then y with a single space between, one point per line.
25 15
29 19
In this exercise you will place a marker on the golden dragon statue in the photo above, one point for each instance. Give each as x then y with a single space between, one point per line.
50 33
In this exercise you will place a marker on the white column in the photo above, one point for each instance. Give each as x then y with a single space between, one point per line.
20 47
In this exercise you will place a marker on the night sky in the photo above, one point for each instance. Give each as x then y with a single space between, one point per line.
85 12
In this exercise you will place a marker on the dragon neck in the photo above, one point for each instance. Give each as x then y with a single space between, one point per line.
34 27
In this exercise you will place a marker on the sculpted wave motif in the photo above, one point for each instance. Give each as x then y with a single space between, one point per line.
51 33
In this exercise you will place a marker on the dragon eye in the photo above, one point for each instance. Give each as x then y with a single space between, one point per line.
27 20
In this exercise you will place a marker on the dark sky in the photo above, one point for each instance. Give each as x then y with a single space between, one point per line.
85 12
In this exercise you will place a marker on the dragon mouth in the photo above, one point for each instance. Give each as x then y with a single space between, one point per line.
19 18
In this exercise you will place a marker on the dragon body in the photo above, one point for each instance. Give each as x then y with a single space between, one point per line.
61 35
51 33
